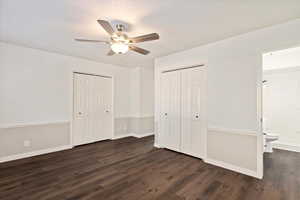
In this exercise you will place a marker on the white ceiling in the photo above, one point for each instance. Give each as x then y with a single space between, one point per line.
53 24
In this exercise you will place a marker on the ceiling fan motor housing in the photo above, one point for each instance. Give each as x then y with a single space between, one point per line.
120 27
119 37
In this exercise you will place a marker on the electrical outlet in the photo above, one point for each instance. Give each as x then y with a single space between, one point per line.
27 143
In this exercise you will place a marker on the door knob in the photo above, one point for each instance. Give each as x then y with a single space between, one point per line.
197 116
107 111
166 114
79 113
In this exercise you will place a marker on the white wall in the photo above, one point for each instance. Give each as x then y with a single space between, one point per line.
142 101
135 81
36 96
234 72
281 105
142 93
147 91
36 85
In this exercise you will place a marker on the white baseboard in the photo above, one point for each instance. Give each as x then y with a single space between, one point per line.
141 135
233 167
34 153
286 146
116 137
157 145
132 135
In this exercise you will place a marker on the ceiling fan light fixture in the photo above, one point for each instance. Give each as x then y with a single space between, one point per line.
119 47
119 42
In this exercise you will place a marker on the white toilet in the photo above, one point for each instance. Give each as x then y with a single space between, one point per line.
269 139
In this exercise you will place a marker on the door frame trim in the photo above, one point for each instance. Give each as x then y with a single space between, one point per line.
91 74
72 101
182 68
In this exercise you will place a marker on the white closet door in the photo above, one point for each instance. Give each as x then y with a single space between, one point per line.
92 98
192 83
106 100
81 107
170 110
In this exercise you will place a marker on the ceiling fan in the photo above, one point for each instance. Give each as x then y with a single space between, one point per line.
119 42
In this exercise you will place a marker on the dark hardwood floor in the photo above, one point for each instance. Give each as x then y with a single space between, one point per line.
132 169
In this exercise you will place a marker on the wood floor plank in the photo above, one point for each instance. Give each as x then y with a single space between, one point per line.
132 168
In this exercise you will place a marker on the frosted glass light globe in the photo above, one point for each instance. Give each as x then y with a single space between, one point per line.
119 47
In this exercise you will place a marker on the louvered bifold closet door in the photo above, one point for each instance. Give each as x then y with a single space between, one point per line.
192 81
170 110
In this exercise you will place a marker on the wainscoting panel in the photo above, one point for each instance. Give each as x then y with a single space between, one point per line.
121 127
16 140
137 126
233 149
25 140
142 125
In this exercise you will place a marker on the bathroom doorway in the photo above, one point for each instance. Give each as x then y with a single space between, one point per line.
281 100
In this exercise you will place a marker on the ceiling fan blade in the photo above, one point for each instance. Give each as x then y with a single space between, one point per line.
139 50
106 26
86 40
144 38
110 53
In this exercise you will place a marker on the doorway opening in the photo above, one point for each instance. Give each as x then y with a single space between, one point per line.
281 100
